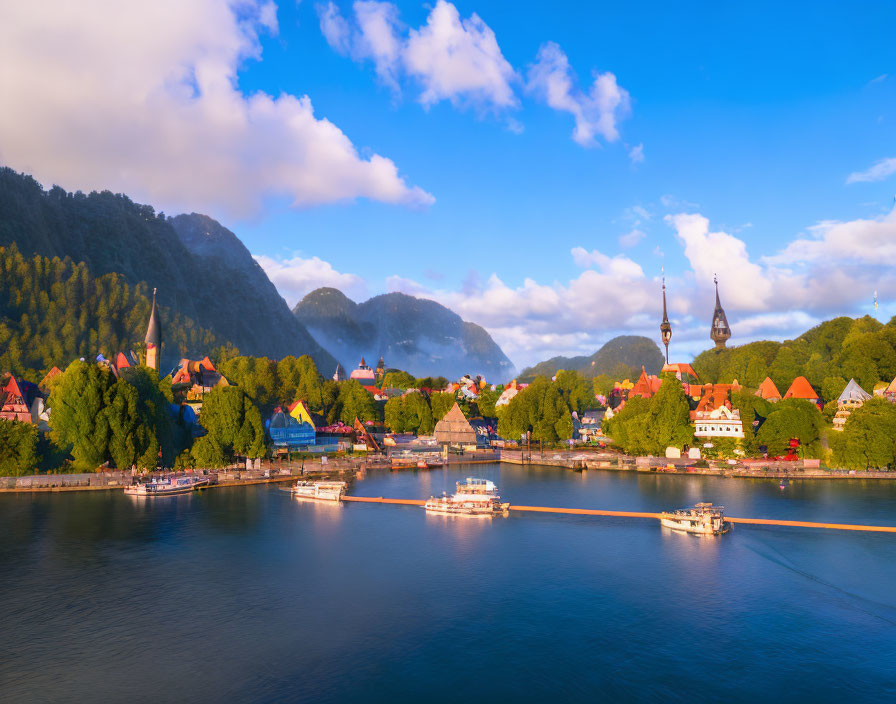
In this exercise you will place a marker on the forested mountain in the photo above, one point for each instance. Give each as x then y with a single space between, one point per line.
417 335
828 355
622 356
201 269
54 311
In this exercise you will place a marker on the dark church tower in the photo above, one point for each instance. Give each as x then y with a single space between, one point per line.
665 326
153 337
720 331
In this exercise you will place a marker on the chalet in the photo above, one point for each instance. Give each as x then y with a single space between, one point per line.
768 391
16 398
378 394
455 429
301 413
802 389
853 396
646 386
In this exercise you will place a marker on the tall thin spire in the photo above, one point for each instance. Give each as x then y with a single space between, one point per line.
153 337
665 326
719 332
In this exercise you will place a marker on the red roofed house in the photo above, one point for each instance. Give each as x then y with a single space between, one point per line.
768 391
801 388
646 386
13 402
193 379
714 416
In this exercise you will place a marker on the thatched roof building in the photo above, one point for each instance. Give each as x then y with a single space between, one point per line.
455 429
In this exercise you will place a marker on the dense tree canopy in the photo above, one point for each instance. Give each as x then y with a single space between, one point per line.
826 355
233 426
868 440
649 426
53 311
544 408
18 448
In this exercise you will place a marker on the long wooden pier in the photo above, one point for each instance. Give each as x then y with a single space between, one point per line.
642 514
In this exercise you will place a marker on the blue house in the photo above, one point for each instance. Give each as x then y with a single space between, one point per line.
286 431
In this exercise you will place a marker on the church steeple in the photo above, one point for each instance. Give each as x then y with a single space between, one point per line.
153 336
720 332
665 326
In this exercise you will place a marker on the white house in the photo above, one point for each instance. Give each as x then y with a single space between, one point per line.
721 422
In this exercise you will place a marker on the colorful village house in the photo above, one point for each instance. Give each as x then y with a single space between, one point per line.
507 395
802 389
714 417
16 398
646 386
289 433
768 391
192 380
853 396
890 392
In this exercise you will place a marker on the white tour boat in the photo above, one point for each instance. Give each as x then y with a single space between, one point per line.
474 497
703 519
319 491
171 486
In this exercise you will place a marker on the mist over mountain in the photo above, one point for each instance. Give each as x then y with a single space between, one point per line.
200 268
633 351
417 335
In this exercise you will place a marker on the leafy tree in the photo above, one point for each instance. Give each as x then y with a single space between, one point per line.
487 401
353 402
564 427
398 379
417 414
257 377
669 423
299 380
18 448
394 416
77 413
234 428
602 384
832 387
628 428
792 418
868 440
441 403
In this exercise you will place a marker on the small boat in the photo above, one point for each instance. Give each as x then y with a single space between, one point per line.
434 464
319 491
404 463
475 497
703 519
421 464
785 482
165 487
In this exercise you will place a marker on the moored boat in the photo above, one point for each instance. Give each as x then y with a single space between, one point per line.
319 491
474 497
702 519
166 487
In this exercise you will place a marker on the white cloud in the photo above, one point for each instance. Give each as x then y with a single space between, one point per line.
452 59
631 238
636 154
143 98
296 276
596 112
878 172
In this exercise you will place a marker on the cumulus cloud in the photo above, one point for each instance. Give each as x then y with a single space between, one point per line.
143 98
296 276
451 58
631 238
878 172
596 113
636 154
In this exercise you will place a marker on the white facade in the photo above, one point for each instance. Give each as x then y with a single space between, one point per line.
506 396
722 422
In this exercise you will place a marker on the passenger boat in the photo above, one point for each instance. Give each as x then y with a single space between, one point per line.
404 463
703 519
474 497
319 491
166 487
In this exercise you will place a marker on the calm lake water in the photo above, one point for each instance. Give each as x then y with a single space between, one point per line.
245 594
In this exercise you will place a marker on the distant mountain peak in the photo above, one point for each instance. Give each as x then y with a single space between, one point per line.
418 335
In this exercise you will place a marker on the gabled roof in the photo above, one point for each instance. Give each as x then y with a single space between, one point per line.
891 389
768 390
52 374
853 392
801 388
646 386
454 428
680 369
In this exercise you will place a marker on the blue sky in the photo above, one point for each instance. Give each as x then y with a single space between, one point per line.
447 167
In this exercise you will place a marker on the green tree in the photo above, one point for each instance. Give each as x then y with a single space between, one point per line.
234 428
397 379
441 403
486 402
669 423
77 413
564 427
792 418
394 416
354 402
257 377
868 439
18 448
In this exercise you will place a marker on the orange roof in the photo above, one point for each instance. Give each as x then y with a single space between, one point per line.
646 386
207 363
52 374
768 390
801 388
679 369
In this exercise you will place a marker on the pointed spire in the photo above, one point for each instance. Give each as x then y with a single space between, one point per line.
154 328
719 332
665 326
